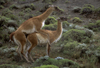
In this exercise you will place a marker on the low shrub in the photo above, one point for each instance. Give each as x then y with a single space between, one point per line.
44 8
14 7
2 2
4 35
21 14
27 16
94 26
31 6
27 10
87 9
60 63
67 1
50 20
76 35
47 66
1 7
3 20
76 9
70 49
50 27
9 66
8 13
48 1
52 24
76 20
5 12
57 13
65 24
12 16
89 5
97 11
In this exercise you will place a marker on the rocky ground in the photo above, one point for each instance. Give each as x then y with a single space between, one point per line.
79 45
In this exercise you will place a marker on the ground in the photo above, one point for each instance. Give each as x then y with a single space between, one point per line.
21 14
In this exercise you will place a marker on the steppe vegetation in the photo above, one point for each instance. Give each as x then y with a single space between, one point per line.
79 46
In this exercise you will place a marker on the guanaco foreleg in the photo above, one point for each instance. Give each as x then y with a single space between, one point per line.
47 49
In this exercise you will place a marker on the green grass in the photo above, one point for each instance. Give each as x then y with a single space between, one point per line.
47 66
60 63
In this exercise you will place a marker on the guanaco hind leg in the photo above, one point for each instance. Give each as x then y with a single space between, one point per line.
32 38
18 50
20 39
28 53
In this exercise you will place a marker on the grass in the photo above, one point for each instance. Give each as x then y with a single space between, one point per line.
59 63
47 66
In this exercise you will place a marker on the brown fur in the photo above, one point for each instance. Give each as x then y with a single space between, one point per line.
53 36
11 36
30 26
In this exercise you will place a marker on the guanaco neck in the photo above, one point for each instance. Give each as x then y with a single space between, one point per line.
58 32
46 13
59 27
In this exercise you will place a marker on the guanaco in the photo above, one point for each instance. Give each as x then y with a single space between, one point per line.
30 26
38 38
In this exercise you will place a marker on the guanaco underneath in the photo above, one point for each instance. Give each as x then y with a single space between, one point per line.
38 38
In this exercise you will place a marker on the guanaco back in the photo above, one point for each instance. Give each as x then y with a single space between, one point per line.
30 26
39 38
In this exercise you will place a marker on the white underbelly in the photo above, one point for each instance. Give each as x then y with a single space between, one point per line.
29 30
41 39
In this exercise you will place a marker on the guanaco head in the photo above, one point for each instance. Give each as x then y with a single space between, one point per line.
62 19
55 8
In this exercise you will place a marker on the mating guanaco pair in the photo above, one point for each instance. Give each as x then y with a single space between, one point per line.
33 27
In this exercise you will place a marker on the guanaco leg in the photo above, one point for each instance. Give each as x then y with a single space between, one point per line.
21 42
47 49
18 50
33 41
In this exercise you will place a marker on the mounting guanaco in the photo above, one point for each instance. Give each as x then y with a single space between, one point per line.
30 26
38 38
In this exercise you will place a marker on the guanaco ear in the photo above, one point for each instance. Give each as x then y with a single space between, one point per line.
63 18
58 9
51 6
